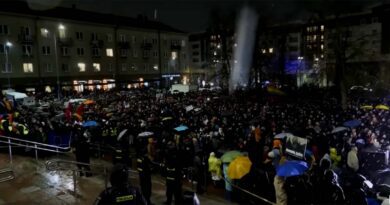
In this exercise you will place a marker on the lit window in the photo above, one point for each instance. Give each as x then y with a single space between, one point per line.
96 67
81 67
174 55
109 52
28 67
271 50
322 27
44 32
322 46
61 30
155 67
322 37
215 53
263 51
322 55
314 37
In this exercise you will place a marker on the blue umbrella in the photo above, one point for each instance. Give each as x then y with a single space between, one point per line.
352 123
181 128
291 168
90 124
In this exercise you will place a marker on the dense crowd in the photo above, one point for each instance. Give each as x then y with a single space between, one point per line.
340 159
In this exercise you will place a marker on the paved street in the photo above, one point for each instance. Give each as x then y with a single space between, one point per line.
33 184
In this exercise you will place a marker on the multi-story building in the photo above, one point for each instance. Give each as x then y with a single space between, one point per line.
308 49
78 49
210 52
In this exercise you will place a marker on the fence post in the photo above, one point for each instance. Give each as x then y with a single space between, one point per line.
36 152
10 150
74 183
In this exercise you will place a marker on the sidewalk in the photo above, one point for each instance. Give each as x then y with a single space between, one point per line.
33 184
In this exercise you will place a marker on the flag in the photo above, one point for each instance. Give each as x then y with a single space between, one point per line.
80 110
68 112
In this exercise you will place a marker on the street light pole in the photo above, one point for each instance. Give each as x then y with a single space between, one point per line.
57 68
7 46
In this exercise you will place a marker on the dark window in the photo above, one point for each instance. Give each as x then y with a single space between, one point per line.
79 35
195 46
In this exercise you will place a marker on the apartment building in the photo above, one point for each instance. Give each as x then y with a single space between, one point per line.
86 50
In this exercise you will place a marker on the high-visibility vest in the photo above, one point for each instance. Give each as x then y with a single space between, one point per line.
113 132
1 124
171 174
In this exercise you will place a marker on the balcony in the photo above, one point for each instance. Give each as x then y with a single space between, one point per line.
124 45
25 39
97 43
175 47
146 46
65 42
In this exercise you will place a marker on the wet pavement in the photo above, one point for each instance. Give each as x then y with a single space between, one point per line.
34 184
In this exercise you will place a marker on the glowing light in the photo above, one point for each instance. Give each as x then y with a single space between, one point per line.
141 79
61 27
203 83
9 44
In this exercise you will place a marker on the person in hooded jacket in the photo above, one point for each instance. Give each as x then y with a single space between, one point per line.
355 194
331 191
120 192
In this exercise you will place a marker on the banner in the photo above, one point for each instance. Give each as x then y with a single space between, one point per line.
296 146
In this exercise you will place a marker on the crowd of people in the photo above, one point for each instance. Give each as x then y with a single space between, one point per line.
340 159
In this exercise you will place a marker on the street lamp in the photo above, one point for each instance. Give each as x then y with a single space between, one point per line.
60 27
300 58
7 46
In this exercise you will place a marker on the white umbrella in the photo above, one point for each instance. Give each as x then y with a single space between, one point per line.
145 134
283 135
121 134
339 129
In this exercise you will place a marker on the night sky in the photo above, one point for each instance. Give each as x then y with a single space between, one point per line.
193 16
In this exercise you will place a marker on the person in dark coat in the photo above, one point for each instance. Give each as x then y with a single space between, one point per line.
173 175
120 192
355 194
81 146
331 191
144 171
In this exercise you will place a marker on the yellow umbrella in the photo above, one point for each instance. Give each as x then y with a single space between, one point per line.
239 167
382 107
275 91
366 107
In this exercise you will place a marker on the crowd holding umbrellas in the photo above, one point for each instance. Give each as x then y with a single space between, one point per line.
289 152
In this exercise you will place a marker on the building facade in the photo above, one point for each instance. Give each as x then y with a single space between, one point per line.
309 49
84 50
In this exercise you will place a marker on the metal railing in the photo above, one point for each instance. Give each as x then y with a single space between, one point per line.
31 144
250 193
66 165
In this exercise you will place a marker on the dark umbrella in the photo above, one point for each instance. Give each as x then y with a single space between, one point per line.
352 123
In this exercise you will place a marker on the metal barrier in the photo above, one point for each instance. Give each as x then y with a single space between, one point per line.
31 144
250 193
9 177
66 165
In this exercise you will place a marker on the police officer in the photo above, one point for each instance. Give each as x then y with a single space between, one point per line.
143 167
173 175
120 192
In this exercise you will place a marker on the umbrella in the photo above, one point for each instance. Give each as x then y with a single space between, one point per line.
239 167
121 134
352 123
291 168
283 135
230 156
90 124
382 107
166 118
181 128
88 102
366 107
145 134
339 129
